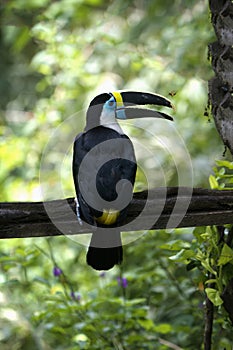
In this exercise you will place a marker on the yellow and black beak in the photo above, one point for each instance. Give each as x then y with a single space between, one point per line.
128 100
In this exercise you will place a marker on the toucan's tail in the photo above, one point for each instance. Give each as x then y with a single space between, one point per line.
105 249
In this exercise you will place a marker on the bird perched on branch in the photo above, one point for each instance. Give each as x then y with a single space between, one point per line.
104 169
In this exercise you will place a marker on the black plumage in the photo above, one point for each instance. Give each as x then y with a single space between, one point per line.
105 248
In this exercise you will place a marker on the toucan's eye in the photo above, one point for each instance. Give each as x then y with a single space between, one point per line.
110 104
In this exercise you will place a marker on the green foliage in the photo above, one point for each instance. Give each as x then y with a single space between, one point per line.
223 175
210 251
81 308
55 56
209 259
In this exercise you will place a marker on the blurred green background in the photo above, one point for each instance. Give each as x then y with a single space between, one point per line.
55 57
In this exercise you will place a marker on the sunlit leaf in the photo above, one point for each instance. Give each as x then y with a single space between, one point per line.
183 255
214 296
225 163
213 182
226 255
163 328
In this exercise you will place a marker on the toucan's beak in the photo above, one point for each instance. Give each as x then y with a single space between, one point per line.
126 99
135 113
143 98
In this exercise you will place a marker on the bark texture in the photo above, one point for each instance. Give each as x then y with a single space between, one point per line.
166 208
221 85
221 103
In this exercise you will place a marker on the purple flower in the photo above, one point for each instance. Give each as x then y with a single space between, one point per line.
75 296
122 281
57 271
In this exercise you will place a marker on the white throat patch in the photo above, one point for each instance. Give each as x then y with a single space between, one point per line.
108 120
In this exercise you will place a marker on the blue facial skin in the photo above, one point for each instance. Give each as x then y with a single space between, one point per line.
120 114
111 106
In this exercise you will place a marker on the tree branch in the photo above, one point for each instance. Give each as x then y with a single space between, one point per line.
165 208
209 318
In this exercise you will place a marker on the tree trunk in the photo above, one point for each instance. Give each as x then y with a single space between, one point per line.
221 85
220 92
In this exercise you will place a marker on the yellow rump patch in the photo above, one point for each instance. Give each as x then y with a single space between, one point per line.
109 217
118 98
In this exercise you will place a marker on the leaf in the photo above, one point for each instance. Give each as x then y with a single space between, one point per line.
213 182
147 324
225 163
183 255
221 172
212 280
175 245
135 301
80 338
163 328
205 263
214 296
226 255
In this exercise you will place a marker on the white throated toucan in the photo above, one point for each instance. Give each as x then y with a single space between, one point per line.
104 169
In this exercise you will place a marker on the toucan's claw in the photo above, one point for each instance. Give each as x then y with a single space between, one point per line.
77 207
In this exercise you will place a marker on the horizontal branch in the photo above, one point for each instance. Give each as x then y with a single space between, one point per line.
156 209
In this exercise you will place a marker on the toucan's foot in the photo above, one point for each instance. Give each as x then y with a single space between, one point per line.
78 211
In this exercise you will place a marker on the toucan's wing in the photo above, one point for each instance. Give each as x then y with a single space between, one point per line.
102 158
79 152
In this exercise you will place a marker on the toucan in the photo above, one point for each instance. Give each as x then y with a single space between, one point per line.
104 170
